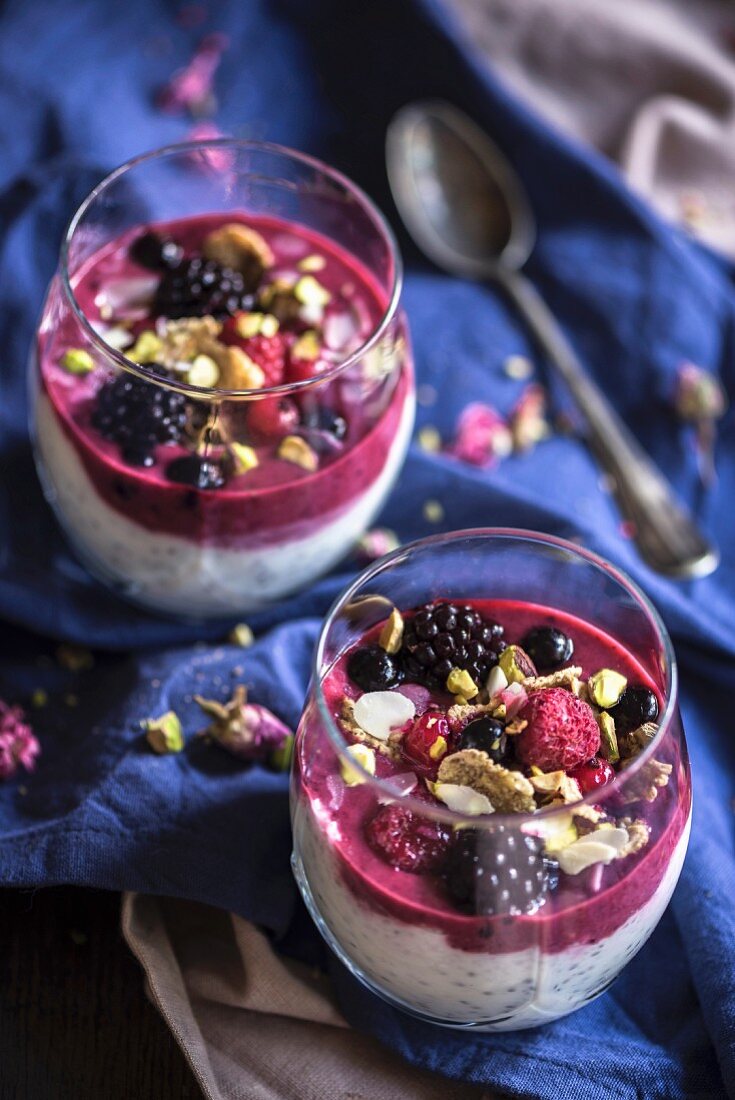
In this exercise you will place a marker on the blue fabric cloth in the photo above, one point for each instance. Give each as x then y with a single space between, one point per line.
77 89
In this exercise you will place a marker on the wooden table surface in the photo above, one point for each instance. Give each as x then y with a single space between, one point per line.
74 1021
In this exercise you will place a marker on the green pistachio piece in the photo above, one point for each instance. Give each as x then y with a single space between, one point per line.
77 361
608 737
164 734
459 682
606 686
516 664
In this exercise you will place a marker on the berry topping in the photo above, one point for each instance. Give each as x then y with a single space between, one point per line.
548 647
487 735
198 287
427 740
407 841
154 252
498 871
321 419
592 774
138 415
372 669
269 352
272 418
561 732
442 637
636 706
197 471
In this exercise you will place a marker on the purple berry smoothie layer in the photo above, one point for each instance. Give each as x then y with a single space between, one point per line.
277 497
573 913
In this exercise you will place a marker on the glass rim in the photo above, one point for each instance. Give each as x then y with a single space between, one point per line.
454 817
375 215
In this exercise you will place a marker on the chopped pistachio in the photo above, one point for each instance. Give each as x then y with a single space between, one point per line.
433 511
429 439
608 737
164 734
606 686
204 372
314 262
439 748
249 324
391 635
270 325
77 361
307 346
239 372
293 448
241 635
246 458
365 757
39 698
310 292
459 682
146 349
516 664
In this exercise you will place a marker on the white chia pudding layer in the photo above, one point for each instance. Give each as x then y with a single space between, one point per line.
419 969
177 575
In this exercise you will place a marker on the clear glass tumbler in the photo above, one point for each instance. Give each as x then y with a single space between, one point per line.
466 917
222 382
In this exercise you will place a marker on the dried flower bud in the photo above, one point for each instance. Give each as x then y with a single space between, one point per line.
482 436
699 394
247 730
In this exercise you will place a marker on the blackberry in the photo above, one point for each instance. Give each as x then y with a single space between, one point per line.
547 647
443 636
154 252
488 735
197 287
372 669
634 707
196 470
498 871
138 415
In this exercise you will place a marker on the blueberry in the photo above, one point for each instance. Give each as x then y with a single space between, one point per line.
548 647
487 735
322 419
635 706
372 669
154 252
197 471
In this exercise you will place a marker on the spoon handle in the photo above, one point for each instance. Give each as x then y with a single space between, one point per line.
664 531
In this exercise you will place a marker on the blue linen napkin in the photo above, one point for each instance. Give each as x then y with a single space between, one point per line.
636 298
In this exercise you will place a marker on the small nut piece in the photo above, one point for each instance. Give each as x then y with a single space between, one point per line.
241 635
391 635
307 346
311 263
293 448
164 734
608 737
245 457
238 371
606 686
459 682
241 248
203 372
365 757
508 791
77 361
516 664
146 349
310 292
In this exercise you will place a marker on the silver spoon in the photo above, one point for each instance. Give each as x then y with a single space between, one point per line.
468 211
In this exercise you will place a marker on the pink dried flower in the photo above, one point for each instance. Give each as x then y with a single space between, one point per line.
247 730
220 160
514 697
18 743
192 87
376 543
528 423
699 399
482 436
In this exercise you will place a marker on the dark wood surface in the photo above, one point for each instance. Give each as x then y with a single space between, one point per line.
74 1021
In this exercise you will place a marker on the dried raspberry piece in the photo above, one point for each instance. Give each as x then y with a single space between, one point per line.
422 739
592 774
561 731
406 841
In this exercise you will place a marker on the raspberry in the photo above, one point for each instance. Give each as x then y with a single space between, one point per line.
561 731
269 352
301 369
498 870
405 840
592 774
272 418
418 741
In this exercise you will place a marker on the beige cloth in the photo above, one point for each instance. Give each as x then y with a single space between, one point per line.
254 1026
651 83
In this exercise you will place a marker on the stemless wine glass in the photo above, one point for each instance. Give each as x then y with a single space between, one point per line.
275 480
492 957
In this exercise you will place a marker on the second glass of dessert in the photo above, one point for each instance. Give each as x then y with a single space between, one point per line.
491 794
223 388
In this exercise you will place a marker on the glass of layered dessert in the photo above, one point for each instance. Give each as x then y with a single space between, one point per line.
222 382
491 792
